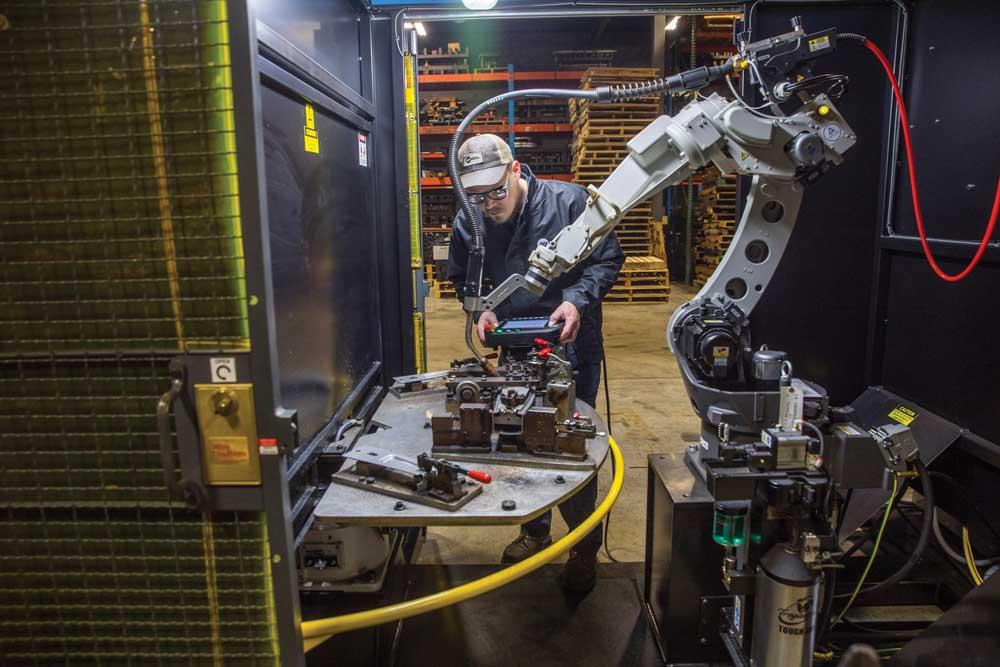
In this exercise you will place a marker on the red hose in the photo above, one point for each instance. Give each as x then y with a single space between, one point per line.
905 122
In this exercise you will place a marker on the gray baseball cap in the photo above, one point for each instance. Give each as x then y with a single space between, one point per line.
483 161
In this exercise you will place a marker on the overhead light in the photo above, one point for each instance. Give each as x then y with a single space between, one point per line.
418 26
672 23
479 4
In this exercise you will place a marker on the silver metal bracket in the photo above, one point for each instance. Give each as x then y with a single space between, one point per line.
505 289
596 195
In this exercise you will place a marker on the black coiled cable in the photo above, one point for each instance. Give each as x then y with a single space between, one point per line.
852 36
676 83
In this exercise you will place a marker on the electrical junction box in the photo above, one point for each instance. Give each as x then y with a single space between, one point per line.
789 447
853 458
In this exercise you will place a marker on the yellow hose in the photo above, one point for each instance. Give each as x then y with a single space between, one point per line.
318 631
970 559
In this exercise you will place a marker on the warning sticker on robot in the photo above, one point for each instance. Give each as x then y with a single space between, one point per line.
309 135
362 150
819 43
904 416
223 369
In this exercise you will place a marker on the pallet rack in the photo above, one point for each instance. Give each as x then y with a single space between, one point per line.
601 133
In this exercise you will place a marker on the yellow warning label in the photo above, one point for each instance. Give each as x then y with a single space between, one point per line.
720 352
229 451
819 43
309 135
903 415
311 140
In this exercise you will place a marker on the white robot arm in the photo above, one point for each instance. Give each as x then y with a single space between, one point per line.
780 152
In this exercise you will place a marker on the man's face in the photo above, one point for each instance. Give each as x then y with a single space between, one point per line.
495 210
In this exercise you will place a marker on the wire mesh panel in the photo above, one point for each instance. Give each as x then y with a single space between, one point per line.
118 178
120 246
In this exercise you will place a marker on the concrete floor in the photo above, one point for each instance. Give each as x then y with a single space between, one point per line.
650 413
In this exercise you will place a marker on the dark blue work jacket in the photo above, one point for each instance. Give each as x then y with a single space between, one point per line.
550 206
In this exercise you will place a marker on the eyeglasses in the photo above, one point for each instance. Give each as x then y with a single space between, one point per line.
496 194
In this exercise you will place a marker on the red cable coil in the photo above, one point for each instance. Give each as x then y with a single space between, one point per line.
905 122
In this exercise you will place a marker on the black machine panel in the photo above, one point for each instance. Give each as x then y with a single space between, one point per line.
324 255
934 339
327 32
831 255
938 348
950 98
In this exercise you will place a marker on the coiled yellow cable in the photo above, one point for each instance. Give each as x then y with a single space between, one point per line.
318 631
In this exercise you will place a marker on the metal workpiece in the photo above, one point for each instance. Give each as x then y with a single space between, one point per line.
525 406
403 422
434 482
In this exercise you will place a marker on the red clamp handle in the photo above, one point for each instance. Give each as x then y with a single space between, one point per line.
480 476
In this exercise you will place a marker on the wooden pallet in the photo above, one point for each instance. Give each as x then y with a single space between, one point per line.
715 223
444 68
601 132
641 280
442 289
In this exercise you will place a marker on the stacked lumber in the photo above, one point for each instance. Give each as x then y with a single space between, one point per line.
577 59
642 280
453 60
440 288
715 223
600 134
451 111
541 110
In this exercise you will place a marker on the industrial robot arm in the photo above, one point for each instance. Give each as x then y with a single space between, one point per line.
783 153
780 152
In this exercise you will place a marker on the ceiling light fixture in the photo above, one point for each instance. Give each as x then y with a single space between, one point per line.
672 23
418 26
479 4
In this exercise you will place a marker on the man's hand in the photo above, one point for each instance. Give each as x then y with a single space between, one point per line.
488 317
570 317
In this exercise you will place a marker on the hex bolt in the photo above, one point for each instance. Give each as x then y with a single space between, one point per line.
399 506
560 479
508 505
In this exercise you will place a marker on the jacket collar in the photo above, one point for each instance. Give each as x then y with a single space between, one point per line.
533 184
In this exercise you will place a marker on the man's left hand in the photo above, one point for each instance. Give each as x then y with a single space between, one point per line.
570 317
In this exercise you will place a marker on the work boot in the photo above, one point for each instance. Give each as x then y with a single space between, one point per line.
580 573
525 545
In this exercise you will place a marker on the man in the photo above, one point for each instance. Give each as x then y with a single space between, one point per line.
518 210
